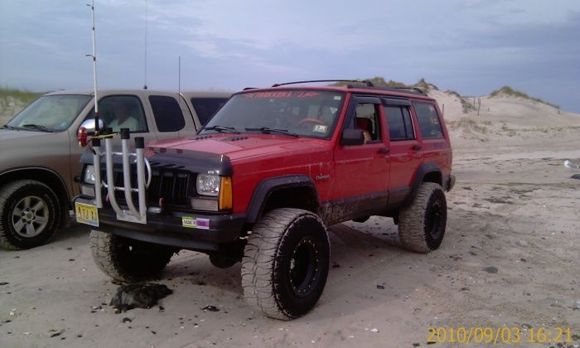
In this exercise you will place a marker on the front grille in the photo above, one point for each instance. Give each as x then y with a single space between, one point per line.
174 185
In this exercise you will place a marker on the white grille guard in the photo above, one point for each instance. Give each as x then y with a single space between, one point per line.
136 214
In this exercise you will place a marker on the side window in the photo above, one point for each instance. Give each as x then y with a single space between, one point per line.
399 121
205 108
167 113
122 111
367 119
428 120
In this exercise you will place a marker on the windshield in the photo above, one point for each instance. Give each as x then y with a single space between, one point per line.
293 112
50 113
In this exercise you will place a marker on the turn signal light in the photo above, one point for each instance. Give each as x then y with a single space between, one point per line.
226 195
83 137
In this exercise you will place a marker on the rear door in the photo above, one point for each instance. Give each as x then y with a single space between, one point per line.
169 116
434 139
404 147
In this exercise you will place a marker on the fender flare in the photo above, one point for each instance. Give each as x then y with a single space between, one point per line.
266 187
422 171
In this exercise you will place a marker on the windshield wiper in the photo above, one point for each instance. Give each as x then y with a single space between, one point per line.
9 127
222 129
268 130
37 127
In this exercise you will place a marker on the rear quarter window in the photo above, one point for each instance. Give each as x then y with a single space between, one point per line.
429 122
167 113
205 108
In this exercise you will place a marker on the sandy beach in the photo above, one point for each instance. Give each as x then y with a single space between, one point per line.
510 258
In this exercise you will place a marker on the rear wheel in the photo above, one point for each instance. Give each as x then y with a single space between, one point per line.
285 263
128 260
29 213
422 224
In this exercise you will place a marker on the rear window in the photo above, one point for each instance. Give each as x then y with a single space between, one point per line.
167 113
399 122
428 120
205 108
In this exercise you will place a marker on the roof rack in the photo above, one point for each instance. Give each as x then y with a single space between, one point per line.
365 82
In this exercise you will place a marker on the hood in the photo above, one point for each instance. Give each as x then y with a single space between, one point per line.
243 146
21 135
22 148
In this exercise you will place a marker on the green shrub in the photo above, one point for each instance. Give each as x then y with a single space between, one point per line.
510 92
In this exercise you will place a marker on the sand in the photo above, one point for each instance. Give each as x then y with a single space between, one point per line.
510 258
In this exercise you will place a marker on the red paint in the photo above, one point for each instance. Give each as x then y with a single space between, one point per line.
338 171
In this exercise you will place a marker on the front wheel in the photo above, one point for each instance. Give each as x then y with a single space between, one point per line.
422 224
285 263
128 260
29 212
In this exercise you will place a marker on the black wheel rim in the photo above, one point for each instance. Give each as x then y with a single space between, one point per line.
434 219
304 267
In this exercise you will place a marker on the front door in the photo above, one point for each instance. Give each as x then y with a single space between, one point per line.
361 171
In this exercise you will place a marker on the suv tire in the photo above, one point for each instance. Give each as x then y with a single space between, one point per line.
285 263
29 214
422 224
128 260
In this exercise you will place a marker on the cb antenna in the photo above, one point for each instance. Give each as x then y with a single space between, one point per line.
94 57
179 74
145 53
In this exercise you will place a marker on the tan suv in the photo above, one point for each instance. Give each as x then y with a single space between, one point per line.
39 157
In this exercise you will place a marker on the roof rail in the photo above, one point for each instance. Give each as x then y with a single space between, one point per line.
248 88
366 82
414 90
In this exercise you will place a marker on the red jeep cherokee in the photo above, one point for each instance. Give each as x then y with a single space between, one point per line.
263 180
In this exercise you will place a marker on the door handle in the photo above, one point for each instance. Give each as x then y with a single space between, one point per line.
416 147
383 150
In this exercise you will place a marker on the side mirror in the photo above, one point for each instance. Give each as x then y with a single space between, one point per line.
352 137
89 125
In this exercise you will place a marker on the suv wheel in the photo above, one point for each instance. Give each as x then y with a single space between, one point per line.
128 260
285 263
29 213
422 224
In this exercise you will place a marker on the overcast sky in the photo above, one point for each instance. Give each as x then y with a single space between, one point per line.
469 46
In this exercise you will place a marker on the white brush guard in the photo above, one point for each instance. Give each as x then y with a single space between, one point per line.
133 213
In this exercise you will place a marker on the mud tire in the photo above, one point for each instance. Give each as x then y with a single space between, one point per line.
422 224
127 260
285 263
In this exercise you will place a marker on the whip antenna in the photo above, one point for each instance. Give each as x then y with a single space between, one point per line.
94 57
145 53
179 74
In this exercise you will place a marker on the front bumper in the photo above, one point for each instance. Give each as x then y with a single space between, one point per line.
212 234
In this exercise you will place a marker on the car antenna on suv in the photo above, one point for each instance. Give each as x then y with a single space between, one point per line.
366 82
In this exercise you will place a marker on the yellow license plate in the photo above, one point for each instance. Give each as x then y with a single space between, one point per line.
87 214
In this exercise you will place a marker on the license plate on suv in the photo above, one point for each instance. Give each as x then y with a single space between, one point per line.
87 214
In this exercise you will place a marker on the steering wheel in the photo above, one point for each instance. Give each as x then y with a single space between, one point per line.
309 121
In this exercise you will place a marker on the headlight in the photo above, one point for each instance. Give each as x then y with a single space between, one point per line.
89 176
208 185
